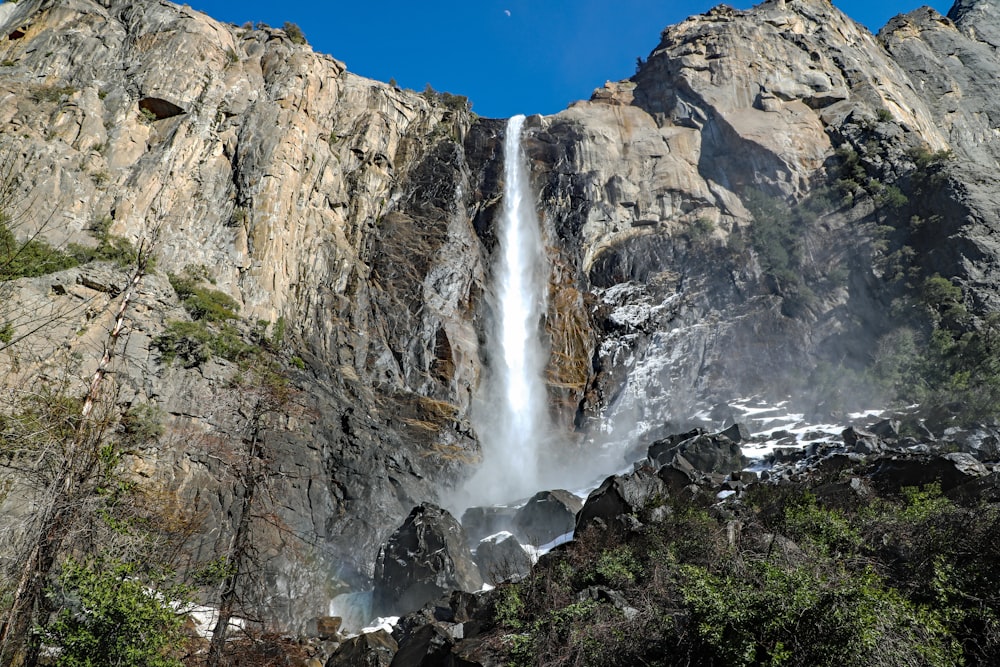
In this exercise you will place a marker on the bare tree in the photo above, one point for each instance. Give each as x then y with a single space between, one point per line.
264 395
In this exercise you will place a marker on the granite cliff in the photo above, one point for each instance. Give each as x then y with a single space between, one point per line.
352 225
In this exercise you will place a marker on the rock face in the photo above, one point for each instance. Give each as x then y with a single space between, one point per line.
423 560
357 220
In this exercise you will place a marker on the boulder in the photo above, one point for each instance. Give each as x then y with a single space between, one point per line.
948 470
372 649
737 433
481 522
710 454
861 441
428 646
618 499
714 454
501 557
546 516
424 559
887 429
661 451
475 653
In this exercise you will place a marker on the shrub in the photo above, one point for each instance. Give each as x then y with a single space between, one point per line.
190 341
142 423
111 615
203 303
31 258
294 33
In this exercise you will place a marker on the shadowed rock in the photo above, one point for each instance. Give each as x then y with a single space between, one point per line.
424 559
546 516
501 557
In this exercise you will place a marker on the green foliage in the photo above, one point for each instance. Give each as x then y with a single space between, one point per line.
774 236
112 615
294 33
6 332
30 258
446 99
777 615
110 248
802 580
194 343
188 341
615 567
203 303
883 115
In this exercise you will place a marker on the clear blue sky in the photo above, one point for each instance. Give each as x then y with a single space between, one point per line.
507 56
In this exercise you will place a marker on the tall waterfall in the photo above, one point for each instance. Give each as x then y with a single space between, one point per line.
512 418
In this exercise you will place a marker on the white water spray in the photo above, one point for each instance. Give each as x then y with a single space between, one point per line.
512 418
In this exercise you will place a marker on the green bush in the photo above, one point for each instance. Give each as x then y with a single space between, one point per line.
294 33
189 341
30 258
111 616
203 303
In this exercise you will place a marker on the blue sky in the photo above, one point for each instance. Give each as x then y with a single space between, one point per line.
507 56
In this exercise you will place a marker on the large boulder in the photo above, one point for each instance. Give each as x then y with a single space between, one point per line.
501 557
372 649
427 646
714 454
948 470
546 516
424 559
619 499
481 522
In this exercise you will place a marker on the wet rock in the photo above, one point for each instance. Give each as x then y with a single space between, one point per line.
372 649
481 522
660 452
712 454
615 502
989 449
475 653
546 516
424 559
861 441
677 476
501 557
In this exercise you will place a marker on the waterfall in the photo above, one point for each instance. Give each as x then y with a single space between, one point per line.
511 417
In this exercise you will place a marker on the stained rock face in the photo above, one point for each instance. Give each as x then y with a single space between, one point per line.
425 558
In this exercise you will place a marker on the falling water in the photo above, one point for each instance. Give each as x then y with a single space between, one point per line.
512 419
